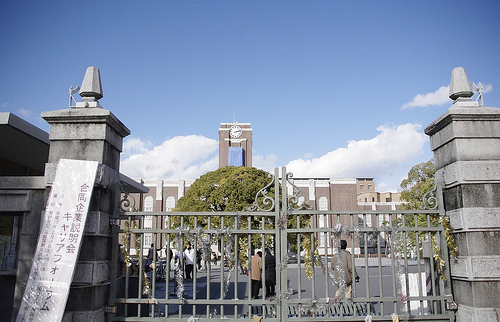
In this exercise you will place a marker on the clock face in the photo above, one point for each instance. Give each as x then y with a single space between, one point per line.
235 131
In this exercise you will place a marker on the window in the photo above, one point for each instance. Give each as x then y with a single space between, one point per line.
148 203
148 221
373 199
369 187
368 220
361 187
323 220
387 199
321 224
169 203
365 220
323 203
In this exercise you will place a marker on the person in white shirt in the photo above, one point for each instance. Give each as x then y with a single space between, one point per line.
189 258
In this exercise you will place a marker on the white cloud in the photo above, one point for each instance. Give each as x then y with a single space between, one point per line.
384 155
267 162
135 145
181 157
392 183
384 187
487 88
24 112
439 97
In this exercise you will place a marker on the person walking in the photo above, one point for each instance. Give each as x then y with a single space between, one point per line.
170 257
151 256
342 264
189 258
256 274
270 270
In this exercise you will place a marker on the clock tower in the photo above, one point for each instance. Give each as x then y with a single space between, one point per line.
235 144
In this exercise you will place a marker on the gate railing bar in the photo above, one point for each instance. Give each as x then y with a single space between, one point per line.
249 247
282 248
394 276
379 251
405 263
362 212
221 264
365 245
195 265
353 276
419 267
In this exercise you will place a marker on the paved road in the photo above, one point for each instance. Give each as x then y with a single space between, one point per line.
381 282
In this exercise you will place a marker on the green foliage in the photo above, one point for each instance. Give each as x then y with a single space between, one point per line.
225 189
234 189
420 180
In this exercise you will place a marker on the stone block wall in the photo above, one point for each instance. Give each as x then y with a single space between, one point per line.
92 134
466 145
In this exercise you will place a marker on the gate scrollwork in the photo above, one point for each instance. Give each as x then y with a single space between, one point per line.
267 202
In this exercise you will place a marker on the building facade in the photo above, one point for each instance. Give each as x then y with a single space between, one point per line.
235 149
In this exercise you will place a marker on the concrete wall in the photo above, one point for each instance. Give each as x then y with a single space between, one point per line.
466 145
93 134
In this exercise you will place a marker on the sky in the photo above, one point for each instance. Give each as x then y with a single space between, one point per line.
331 88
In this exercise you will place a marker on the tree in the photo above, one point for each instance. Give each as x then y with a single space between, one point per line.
420 180
233 189
225 189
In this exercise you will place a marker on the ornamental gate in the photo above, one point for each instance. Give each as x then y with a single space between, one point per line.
401 257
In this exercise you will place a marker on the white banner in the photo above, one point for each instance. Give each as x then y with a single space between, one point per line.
59 242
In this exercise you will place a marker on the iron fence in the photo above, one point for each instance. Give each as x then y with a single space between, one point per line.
401 258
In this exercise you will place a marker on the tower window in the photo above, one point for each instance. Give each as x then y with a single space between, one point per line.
235 156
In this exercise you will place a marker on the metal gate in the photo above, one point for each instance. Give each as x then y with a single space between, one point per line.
394 280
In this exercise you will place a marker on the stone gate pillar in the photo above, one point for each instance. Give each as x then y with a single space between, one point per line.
466 145
89 132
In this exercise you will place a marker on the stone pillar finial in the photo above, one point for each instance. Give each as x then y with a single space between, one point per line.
460 88
91 89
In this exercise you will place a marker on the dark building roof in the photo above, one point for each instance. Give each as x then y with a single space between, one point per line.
24 148
24 151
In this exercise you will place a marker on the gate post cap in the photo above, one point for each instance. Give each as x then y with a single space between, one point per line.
460 85
91 89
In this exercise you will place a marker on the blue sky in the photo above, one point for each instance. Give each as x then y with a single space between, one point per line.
331 88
